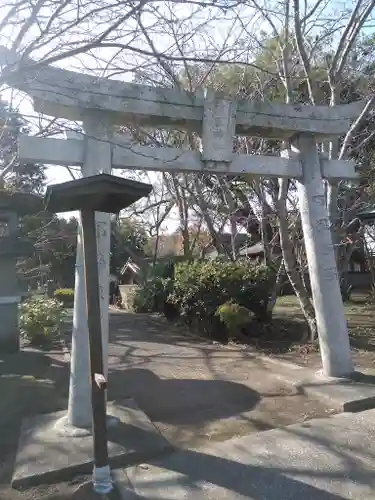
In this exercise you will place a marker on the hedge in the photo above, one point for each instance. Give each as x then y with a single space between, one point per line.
199 288
65 295
40 319
153 294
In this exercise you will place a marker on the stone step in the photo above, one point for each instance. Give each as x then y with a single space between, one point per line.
348 395
325 459
49 450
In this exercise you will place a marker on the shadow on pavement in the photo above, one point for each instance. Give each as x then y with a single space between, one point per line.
30 383
241 480
181 401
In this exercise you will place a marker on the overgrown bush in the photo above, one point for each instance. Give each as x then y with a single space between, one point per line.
40 319
218 296
199 288
233 316
65 295
153 294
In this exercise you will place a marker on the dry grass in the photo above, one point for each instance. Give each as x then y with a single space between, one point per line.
360 316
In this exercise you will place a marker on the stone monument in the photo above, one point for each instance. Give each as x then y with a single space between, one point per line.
12 206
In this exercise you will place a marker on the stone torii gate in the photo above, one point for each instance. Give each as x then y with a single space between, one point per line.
102 104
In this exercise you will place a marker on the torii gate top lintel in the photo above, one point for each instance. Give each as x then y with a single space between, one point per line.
100 102
68 94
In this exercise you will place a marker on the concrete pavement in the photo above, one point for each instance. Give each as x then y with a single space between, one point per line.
325 459
194 390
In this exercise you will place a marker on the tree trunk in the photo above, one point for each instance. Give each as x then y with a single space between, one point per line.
183 215
156 248
205 213
276 289
290 262
343 271
228 199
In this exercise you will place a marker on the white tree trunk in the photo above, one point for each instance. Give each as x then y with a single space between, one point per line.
97 160
290 261
329 309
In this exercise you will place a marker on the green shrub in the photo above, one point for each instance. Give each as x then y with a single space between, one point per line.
199 288
218 296
65 295
233 316
153 294
40 319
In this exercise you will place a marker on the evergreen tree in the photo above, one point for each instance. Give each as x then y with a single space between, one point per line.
29 178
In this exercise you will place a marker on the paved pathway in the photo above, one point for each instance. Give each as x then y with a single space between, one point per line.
327 459
194 390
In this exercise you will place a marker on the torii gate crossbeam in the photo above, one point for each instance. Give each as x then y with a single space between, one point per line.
131 156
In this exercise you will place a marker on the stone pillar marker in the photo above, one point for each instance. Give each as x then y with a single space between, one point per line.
108 194
97 159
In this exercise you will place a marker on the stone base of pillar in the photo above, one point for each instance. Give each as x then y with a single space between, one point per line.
44 455
325 379
64 428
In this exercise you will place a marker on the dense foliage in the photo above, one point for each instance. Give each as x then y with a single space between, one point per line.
29 178
55 243
40 319
233 316
216 294
65 296
201 287
127 236
153 294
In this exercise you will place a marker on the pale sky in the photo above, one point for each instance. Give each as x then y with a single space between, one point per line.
215 35
218 34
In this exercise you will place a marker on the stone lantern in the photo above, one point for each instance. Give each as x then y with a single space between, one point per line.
12 206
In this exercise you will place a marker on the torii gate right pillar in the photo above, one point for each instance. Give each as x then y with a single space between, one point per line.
329 308
218 131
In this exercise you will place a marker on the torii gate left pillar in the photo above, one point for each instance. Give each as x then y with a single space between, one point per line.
97 159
